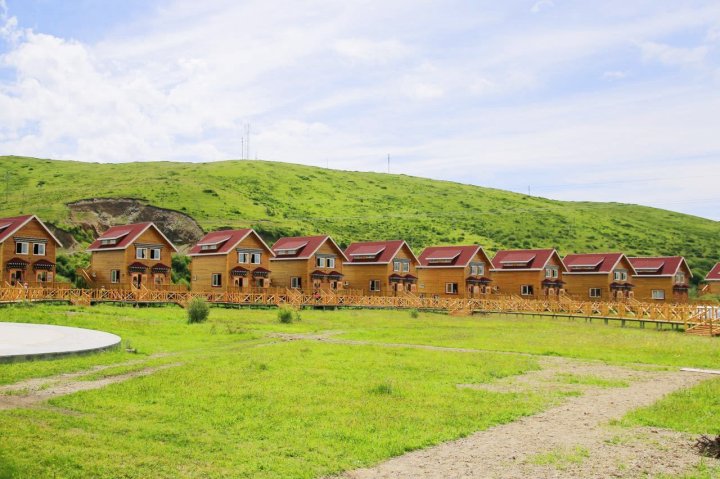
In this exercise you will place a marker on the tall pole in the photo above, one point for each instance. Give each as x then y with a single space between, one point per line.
7 185
388 163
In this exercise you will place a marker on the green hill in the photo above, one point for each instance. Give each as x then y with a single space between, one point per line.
285 199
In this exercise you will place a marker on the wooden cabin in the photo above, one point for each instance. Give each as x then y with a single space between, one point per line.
454 271
712 281
230 260
661 279
137 255
529 273
599 276
27 251
308 263
381 267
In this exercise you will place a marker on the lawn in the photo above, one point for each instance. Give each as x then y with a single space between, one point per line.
240 402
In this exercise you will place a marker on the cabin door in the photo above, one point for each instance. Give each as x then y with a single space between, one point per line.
17 276
136 279
238 283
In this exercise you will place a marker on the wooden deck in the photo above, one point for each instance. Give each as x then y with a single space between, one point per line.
700 319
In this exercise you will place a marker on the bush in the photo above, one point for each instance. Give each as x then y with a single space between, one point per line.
287 315
198 310
414 313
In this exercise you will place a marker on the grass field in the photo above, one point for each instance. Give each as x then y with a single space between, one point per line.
239 402
286 199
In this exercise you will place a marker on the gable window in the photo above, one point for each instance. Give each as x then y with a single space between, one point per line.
141 253
243 257
374 285
595 292
22 247
330 262
406 267
39 249
658 294
551 272
216 280
396 265
451 288
527 290
477 269
255 258
620 275
680 277
296 282
115 276
320 262
155 253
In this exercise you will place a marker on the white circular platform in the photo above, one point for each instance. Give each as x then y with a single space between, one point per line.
23 341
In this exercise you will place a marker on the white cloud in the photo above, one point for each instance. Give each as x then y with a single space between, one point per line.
542 5
614 75
370 51
673 56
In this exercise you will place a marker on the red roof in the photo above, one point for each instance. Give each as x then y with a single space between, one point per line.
223 242
523 259
714 274
657 265
124 236
375 251
592 262
301 247
8 226
443 256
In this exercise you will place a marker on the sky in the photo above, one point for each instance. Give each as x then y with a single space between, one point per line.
594 101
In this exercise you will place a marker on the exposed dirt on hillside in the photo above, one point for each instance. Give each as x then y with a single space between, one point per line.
96 215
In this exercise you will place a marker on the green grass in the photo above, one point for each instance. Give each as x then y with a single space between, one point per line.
240 402
285 199
560 458
695 410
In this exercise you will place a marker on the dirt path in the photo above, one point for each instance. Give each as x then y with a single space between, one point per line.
574 439
33 392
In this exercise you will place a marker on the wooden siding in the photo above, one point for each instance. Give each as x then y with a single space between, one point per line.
578 285
433 279
359 275
644 286
33 229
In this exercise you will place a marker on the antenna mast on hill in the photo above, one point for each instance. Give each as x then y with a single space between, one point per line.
247 143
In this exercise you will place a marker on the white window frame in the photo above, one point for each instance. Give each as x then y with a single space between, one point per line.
598 292
406 266
243 257
114 276
255 258
39 246
22 247
680 277
141 253
296 282
153 252
396 266
451 288
320 261
216 280
620 275
330 262
375 285
658 294
477 269
527 290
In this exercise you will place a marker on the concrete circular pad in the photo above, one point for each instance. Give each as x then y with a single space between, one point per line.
23 341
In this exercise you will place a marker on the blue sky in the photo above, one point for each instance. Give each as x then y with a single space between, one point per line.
603 101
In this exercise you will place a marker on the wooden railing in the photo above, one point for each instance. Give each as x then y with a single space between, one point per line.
689 315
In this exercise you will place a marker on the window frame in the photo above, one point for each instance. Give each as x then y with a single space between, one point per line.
330 262
295 282
598 295
527 290
660 296
252 258
243 257
451 288
19 244
375 285
114 276
138 249
213 282
151 254
38 245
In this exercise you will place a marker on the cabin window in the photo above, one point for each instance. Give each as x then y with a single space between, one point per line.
551 272
39 249
620 275
255 258
396 265
477 269
526 290
115 276
680 277
330 262
155 253
374 285
658 294
406 267
216 280
243 257
296 282
141 253
451 288
42 276
22 247
320 262
595 292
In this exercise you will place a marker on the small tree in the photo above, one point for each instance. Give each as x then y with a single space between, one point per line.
287 315
197 310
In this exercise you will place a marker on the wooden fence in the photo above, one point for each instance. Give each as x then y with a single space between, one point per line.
695 318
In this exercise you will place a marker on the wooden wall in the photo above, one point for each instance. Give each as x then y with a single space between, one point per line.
33 229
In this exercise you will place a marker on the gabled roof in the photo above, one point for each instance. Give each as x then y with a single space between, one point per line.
301 247
376 252
223 242
658 265
8 226
445 256
603 263
125 235
714 274
524 259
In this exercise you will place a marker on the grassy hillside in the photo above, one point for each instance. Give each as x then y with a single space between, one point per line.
280 199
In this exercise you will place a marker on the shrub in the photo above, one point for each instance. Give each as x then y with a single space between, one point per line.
198 310
287 315
414 313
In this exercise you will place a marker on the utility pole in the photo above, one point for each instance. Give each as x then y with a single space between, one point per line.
388 163
242 147
247 135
